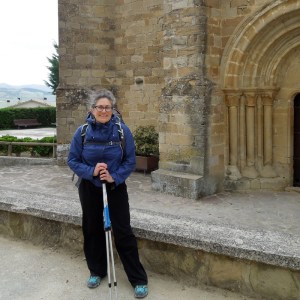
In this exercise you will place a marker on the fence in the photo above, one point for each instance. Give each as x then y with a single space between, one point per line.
11 144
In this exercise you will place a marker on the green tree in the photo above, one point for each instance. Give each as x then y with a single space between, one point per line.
54 70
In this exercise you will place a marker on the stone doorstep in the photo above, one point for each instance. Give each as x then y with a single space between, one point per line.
293 189
177 183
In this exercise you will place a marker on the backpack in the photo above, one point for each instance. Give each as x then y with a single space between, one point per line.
118 123
121 134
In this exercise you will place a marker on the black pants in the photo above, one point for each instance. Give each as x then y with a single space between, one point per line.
91 199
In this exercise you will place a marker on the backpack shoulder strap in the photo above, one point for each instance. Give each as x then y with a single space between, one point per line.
121 132
83 131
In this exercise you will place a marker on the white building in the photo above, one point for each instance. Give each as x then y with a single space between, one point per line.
31 104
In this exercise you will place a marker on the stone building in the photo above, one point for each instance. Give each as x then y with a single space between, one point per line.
219 80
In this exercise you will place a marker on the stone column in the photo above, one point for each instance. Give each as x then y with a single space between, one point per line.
250 171
232 101
260 134
267 170
242 131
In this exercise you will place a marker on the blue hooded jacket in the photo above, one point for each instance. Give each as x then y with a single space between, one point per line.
83 157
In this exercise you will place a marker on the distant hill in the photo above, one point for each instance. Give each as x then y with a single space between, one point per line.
10 94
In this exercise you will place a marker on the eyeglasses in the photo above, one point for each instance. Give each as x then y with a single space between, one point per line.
103 108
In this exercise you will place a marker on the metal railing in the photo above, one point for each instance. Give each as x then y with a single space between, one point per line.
29 144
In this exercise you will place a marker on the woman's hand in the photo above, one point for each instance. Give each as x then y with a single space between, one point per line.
105 176
101 171
98 168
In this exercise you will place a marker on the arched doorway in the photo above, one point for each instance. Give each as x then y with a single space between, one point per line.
296 164
258 76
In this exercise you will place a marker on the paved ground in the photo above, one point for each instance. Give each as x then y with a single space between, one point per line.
31 273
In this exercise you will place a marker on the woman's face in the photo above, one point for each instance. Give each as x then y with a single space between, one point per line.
102 110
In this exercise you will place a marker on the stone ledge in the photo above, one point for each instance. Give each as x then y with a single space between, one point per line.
267 247
256 246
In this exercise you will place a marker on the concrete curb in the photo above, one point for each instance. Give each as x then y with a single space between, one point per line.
26 161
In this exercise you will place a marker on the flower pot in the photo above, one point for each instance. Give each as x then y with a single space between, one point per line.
146 163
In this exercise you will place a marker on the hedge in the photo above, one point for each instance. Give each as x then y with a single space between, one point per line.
45 115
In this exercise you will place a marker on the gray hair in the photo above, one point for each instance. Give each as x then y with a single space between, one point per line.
96 95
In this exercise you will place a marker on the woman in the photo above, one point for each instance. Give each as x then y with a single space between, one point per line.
99 156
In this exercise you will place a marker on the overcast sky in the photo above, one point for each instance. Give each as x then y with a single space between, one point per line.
28 29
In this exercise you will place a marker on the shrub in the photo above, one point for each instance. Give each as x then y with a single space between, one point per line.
7 138
146 141
17 149
44 150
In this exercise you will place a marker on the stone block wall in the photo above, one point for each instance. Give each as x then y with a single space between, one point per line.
170 64
138 46
87 59
185 97
151 54
114 45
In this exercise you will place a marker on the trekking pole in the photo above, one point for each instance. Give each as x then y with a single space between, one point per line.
108 239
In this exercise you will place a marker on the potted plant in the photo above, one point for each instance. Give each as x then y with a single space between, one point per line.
147 150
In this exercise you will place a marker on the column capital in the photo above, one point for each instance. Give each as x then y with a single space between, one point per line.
232 99
250 99
267 99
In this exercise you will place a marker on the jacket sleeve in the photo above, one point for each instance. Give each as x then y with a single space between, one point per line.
127 165
75 162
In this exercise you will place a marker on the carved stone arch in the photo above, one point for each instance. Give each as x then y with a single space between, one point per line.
259 44
279 72
252 66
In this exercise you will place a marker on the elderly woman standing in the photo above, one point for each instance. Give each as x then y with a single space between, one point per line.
101 157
